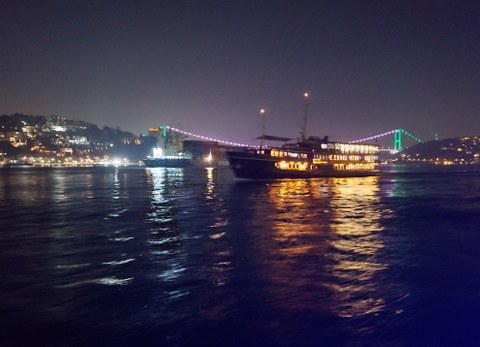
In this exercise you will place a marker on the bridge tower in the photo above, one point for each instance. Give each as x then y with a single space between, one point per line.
163 128
397 140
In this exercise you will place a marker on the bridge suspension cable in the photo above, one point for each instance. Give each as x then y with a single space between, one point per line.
397 145
373 137
412 136
229 143
397 138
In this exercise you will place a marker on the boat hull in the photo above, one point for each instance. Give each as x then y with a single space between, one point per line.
168 162
250 166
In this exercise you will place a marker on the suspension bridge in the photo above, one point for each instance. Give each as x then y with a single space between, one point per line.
397 144
397 139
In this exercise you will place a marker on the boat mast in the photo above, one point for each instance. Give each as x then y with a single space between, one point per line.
263 114
303 132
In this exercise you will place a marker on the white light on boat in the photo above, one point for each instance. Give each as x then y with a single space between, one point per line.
208 158
157 152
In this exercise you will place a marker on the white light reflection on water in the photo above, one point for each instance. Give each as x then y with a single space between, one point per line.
164 231
118 262
189 241
116 185
164 188
59 194
108 281
218 227
210 186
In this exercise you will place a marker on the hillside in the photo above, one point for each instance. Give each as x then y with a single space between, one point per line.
39 138
464 149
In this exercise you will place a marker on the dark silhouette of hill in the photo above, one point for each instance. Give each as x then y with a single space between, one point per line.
56 136
458 149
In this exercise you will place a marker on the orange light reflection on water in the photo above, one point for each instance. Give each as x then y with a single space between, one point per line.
325 239
354 245
293 215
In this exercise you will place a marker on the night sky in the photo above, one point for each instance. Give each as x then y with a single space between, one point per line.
209 66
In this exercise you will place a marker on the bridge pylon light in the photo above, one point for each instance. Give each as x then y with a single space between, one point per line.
397 140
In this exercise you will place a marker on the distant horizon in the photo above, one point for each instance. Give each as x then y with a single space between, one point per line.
219 138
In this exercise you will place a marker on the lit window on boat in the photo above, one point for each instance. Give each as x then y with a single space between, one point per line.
291 165
319 161
277 153
336 157
355 167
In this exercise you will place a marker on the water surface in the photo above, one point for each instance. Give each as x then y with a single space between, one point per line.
175 257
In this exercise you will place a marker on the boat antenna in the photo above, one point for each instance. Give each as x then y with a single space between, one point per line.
263 114
303 132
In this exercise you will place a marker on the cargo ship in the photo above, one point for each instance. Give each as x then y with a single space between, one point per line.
177 159
168 156
174 151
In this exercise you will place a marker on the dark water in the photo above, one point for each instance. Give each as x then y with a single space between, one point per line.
163 257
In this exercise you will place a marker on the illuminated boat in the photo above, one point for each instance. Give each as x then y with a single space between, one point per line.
182 159
173 151
172 159
308 158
